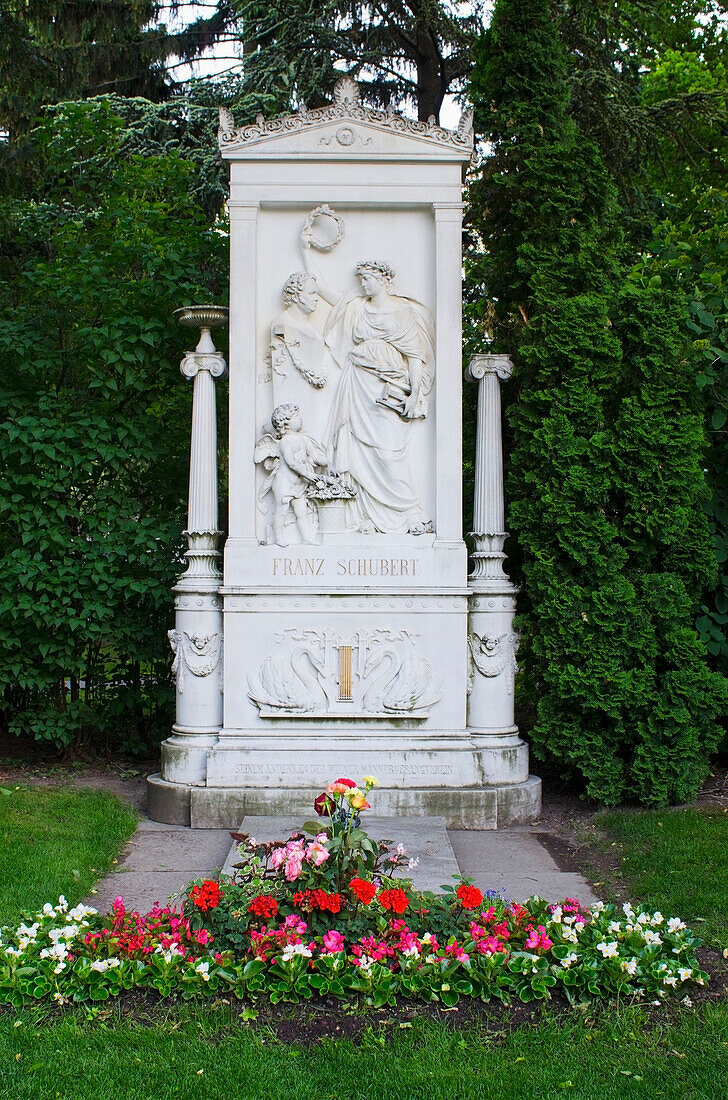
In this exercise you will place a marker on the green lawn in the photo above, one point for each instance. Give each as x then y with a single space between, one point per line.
56 840
202 1054
52 840
677 861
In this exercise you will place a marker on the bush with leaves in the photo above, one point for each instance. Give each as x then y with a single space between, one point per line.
606 443
95 420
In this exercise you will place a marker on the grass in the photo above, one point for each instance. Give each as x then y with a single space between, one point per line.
195 1054
56 841
677 861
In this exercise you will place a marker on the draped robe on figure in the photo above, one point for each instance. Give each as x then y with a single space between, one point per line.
368 441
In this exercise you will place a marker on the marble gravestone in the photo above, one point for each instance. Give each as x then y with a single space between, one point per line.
354 640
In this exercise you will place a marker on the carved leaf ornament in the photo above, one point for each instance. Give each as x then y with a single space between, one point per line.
346 106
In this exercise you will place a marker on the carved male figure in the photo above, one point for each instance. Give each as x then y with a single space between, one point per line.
294 461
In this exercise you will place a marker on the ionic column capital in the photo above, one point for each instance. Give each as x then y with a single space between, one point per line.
195 361
481 365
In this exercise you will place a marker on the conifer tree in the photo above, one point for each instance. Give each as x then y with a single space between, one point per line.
605 480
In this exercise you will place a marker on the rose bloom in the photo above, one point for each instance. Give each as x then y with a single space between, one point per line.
338 788
324 805
316 853
357 801
470 896
363 890
394 900
293 868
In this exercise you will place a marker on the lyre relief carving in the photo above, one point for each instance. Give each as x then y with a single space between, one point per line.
373 673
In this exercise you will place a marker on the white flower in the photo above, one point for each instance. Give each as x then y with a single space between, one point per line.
13 951
62 905
292 949
571 958
101 965
670 980
597 907
28 933
413 863
643 918
80 912
629 966
113 962
401 850
48 910
686 1001
61 966
684 973
651 937
675 925
60 998
411 953
614 926
628 911
202 969
569 934
657 919
609 950
57 951
427 938
557 915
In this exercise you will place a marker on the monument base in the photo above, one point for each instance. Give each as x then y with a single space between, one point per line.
223 807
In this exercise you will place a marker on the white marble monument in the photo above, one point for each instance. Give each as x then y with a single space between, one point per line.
354 641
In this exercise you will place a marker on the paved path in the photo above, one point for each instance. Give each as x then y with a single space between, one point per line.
160 859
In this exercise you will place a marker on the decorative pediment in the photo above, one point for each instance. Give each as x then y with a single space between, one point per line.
345 127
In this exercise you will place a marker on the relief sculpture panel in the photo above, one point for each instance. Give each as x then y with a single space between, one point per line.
373 673
358 365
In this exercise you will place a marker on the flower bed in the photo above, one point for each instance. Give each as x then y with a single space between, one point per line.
324 914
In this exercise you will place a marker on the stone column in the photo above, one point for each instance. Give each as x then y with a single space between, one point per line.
197 640
492 642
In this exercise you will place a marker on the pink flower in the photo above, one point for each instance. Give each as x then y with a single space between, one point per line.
316 853
203 936
333 942
278 856
293 868
538 940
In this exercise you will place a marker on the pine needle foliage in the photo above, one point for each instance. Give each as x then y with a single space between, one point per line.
605 483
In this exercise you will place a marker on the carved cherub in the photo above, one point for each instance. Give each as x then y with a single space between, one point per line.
294 461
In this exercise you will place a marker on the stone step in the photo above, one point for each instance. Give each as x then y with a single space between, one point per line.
424 838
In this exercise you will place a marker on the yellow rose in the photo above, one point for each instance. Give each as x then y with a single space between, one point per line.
357 801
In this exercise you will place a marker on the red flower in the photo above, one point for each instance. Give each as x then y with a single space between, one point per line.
263 906
470 896
363 890
333 903
324 805
394 900
346 782
207 896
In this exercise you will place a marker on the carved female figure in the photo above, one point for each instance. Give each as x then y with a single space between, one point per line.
384 344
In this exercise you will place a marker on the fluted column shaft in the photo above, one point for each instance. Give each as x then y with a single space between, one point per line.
204 365
488 532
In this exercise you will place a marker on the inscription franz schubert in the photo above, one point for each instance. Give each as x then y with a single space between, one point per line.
345 567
